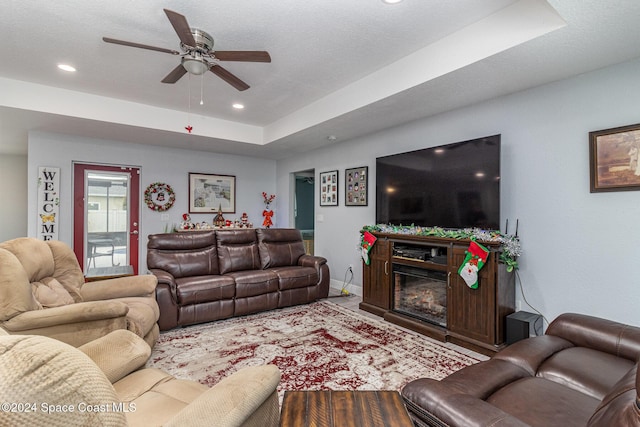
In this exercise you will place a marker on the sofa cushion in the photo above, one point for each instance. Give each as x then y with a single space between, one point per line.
58 375
50 293
295 277
34 255
237 250
279 247
599 334
541 403
255 282
586 370
67 270
15 290
199 289
157 395
184 254
483 379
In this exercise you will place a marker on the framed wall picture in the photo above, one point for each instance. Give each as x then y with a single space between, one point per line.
209 193
356 186
614 159
329 188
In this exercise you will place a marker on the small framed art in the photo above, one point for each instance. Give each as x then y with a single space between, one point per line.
210 193
614 159
356 186
329 188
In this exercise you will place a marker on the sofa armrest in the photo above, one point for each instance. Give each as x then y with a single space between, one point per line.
312 261
249 394
599 334
164 277
67 314
434 402
121 287
321 266
118 353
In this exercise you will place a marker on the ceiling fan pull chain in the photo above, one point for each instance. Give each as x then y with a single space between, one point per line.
201 89
189 128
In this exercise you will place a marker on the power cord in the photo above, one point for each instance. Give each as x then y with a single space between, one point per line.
344 290
538 328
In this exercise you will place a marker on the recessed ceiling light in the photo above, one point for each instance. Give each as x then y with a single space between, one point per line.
66 67
391 1
238 106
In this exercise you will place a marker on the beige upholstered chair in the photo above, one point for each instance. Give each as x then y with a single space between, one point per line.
42 292
101 384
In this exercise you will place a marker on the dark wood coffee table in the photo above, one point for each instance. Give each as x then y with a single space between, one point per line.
344 409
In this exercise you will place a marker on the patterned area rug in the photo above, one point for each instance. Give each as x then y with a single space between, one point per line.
318 346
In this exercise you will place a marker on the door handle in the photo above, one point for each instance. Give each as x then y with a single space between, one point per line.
134 232
386 268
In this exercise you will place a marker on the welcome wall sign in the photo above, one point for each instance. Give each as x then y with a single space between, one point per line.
48 203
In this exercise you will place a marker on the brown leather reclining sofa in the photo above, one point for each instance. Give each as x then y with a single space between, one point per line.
582 372
217 274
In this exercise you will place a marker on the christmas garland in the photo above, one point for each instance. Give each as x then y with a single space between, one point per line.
509 244
163 192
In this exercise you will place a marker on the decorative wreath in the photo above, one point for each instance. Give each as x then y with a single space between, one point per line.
159 197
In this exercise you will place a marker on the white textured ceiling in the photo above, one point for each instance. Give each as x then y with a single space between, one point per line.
339 67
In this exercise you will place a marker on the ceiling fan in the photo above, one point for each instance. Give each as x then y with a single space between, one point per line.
197 55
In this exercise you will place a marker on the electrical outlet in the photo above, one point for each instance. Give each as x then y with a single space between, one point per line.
164 217
351 268
519 305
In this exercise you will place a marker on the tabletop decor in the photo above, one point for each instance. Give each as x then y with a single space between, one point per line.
510 244
267 213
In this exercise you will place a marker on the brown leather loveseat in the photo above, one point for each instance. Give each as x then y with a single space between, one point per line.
217 274
582 372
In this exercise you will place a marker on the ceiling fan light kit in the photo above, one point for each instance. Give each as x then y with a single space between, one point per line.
198 55
195 66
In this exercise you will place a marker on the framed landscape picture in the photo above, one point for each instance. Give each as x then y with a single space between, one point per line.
614 159
329 188
209 193
356 186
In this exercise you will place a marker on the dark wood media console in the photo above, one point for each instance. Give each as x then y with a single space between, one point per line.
472 318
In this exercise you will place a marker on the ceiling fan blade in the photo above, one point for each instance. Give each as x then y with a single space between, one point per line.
243 55
181 26
229 78
141 46
175 74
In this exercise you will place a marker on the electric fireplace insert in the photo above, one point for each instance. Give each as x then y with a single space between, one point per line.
420 293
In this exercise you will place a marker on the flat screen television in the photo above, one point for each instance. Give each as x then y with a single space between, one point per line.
450 186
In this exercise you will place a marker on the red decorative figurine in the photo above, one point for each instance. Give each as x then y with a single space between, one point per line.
267 213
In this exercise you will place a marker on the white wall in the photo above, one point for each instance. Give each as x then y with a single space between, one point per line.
158 164
580 248
13 193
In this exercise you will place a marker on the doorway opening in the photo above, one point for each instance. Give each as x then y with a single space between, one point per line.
304 208
106 210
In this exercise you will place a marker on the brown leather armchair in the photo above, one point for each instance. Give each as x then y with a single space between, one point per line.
103 383
42 292
582 372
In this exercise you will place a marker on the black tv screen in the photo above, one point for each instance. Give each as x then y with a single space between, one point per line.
450 186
